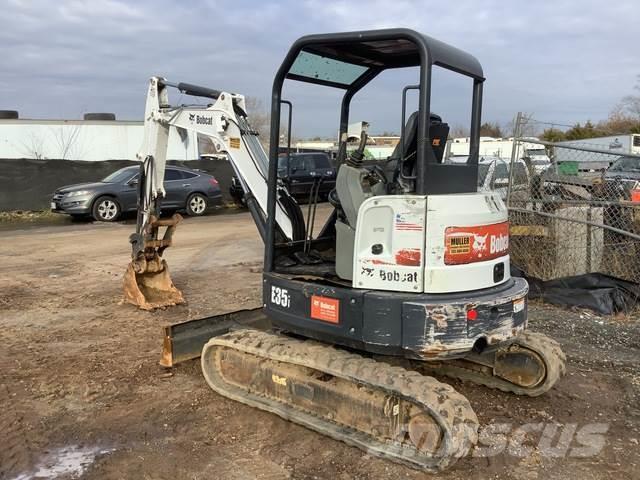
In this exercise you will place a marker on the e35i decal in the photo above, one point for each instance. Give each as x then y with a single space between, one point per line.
280 297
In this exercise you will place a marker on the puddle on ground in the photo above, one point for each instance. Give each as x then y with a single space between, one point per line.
68 461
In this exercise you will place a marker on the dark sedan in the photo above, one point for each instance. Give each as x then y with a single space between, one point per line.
299 172
190 190
622 176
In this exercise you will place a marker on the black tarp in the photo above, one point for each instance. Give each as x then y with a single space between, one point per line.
601 293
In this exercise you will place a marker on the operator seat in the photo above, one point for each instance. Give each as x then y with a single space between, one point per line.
402 162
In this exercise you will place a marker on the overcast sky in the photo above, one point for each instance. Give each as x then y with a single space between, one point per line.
562 60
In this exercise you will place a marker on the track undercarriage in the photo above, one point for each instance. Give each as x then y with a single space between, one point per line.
388 406
386 410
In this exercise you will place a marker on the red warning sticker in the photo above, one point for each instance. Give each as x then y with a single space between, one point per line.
325 309
409 257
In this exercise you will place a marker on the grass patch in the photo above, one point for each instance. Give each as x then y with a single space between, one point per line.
33 216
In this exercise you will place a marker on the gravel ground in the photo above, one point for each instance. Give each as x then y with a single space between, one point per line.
82 394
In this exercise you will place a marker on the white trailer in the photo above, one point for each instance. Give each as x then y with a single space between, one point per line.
601 149
500 148
89 140
489 147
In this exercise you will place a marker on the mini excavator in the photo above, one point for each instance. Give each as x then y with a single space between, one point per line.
408 277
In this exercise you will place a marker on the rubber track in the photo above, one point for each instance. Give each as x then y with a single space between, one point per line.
548 349
449 408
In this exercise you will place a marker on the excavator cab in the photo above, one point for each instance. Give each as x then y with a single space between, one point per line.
409 235
349 62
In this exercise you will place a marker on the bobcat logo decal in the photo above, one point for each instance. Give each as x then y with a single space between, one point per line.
480 242
192 117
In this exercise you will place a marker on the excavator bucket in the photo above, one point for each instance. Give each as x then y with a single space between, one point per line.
147 283
151 289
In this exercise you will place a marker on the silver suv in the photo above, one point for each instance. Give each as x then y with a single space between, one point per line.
190 190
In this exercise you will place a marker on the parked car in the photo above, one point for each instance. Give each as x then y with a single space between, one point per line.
190 190
538 157
493 175
298 172
622 177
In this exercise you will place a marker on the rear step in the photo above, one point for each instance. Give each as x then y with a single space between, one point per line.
385 410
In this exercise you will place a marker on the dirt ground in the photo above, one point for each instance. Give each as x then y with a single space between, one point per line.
82 394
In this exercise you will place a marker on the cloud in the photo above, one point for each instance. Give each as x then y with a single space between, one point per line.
564 61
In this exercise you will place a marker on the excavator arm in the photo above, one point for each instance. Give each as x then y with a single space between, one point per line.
225 122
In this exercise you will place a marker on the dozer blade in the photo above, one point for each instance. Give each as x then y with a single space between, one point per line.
387 411
150 286
184 341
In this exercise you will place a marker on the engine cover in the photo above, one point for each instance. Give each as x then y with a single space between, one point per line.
431 244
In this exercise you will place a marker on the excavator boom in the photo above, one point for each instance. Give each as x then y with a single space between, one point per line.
147 282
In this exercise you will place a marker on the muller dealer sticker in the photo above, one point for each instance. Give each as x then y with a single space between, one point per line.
476 243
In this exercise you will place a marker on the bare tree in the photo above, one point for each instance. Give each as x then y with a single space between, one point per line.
619 122
259 118
489 129
508 127
66 139
205 145
528 126
459 131
34 147
630 104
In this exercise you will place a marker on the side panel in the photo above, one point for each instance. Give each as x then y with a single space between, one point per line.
465 210
323 312
414 325
382 319
389 244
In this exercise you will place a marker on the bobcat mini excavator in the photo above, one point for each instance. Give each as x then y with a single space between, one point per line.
411 270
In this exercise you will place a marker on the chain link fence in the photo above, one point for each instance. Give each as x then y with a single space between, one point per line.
575 205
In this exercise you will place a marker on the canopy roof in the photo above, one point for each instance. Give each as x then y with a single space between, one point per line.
341 59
